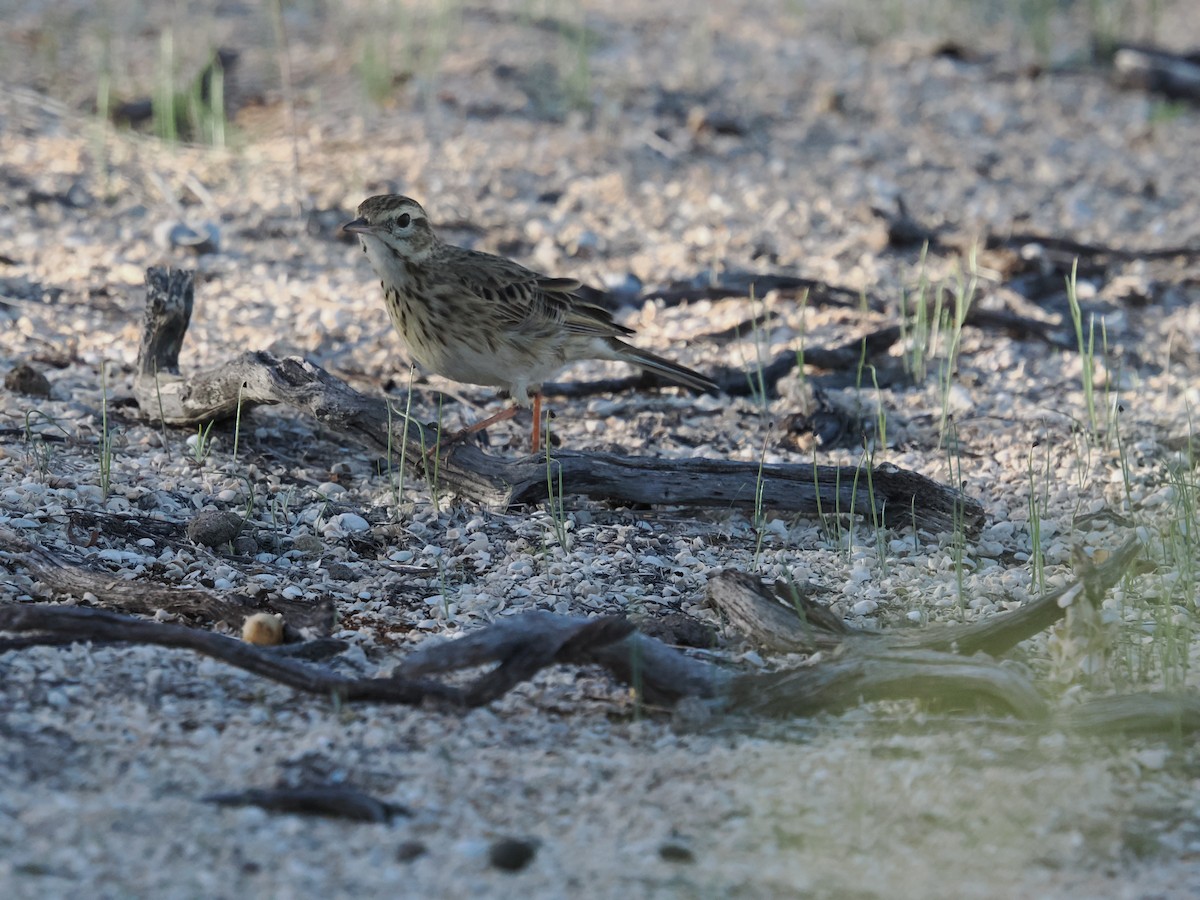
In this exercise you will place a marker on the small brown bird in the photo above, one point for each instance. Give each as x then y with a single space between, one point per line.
483 319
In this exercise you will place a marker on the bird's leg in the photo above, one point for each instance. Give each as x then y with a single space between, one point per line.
503 416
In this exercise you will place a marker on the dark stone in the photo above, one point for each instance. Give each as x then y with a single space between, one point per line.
214 527
672 852
512 854
25 379
410 850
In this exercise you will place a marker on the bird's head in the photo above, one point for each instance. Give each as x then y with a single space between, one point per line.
395 222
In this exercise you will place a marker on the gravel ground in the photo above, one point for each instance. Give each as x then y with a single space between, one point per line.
624 147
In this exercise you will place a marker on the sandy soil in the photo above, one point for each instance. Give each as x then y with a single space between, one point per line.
624 147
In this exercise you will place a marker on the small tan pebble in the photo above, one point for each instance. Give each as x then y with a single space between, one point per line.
263 629
214 527
25 379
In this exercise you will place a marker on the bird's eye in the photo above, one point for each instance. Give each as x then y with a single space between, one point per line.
404 221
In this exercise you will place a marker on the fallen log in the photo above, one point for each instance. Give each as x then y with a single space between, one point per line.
893 495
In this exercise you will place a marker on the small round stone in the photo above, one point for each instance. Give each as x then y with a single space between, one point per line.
512 854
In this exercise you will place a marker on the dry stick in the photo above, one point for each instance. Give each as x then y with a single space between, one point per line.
872 666
732 381
663 674
848 681
148 597
943 663
333 800
261 378
767 615
1146 712
1157 69
522 645
742 284
83 624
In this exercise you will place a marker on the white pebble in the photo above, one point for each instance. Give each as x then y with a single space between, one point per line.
352 522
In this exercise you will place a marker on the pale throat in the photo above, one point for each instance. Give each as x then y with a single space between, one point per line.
388 265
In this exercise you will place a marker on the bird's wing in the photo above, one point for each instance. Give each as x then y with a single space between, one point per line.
524 300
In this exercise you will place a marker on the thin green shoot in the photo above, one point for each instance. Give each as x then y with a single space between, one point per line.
881 418
162 415
963 295
166 123
916 332
374 68
877 513
802 311
202 446
578 82
287 84
39 448
958 536
1087 349
1038 499
237 422
207 113
281 503
555 494
412 370
106 437
797 602
756 377
853 520
248 510
760 518
433 466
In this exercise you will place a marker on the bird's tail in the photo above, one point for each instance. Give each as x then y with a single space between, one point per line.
664 367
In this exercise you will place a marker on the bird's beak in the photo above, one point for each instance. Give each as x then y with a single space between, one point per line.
359 226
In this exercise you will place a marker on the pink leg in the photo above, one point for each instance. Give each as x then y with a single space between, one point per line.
503 416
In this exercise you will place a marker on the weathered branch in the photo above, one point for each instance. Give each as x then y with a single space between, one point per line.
844 682
861 666
783 619
84 624
1148 712
897 496
663 674
141 596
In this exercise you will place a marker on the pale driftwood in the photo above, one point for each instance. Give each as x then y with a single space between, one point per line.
1149 712
836 684
523 645
780 618
767 614
141 596
897 496
943 663
861 665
